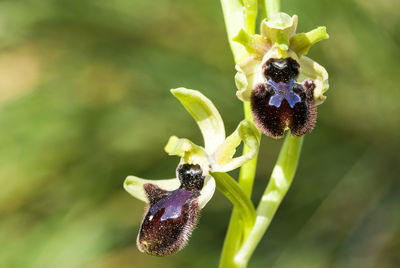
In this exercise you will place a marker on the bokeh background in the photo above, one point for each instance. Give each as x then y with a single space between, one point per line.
84 102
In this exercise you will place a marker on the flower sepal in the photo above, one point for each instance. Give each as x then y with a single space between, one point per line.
279 29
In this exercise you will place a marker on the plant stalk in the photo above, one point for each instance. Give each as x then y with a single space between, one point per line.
237 17
279 183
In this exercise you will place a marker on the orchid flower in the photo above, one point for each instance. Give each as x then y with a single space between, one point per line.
173 205
281 83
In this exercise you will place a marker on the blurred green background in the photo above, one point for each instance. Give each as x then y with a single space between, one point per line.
84 102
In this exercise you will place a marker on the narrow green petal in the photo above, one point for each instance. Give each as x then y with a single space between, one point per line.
311 69
246 132
134 186
206 115
302 42
257 45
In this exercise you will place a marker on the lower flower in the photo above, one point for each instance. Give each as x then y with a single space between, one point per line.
173 206
171 215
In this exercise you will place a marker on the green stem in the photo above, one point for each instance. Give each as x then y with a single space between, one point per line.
237 231
235 235
232 241
280 181
234 21
271 7
237 17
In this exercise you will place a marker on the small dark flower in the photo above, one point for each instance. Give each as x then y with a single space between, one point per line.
281 102
173 205
282 84
171 215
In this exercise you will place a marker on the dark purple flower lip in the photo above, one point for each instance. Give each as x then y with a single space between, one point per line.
171 215
281 102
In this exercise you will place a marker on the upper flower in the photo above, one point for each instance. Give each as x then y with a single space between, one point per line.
174 204
282 84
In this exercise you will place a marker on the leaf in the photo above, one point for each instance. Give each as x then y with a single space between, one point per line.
232 190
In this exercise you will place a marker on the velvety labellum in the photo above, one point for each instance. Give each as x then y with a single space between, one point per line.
281 102
171 215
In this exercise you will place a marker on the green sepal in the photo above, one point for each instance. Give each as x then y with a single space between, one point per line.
279 29
301 42
246 132
206 115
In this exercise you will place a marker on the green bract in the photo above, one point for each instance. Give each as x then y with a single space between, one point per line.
216 156
278 39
